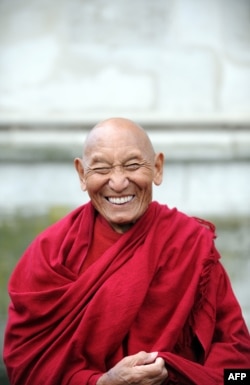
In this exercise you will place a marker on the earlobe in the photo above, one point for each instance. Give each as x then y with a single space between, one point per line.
158 168
80 170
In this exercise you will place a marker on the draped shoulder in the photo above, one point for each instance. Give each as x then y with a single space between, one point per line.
155 289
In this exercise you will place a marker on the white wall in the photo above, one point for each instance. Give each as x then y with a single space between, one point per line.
166 59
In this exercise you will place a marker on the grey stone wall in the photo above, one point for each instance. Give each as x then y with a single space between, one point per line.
206 170
85 60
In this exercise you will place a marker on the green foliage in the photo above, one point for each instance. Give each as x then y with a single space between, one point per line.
16 233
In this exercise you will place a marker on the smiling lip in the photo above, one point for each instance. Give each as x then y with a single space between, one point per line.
120 200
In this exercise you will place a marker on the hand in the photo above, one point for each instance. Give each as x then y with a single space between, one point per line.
140 369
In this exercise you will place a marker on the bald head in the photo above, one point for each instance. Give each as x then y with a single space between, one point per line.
118 169
121 129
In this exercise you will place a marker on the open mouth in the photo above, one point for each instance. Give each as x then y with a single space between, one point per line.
120 200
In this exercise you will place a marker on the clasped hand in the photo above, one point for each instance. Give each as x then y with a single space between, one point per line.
139 369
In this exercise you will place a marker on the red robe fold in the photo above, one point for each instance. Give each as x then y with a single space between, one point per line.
160 287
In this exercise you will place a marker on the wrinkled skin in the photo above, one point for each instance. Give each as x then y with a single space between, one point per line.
118 169
139 369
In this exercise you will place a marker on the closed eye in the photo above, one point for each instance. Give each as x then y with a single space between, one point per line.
132 166
106 170
102 170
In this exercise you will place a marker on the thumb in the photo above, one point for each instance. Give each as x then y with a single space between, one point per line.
150 358
141 358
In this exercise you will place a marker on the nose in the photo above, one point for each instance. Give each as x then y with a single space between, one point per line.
118 180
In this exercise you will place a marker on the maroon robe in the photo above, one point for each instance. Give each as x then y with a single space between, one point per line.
159 287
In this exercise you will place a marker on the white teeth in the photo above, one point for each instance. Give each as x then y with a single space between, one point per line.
120 201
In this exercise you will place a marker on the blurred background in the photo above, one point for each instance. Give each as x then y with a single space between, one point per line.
179 68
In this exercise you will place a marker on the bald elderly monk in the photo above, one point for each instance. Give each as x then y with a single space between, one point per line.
123 290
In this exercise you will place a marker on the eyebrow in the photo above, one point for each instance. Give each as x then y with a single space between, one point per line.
132 157
98 159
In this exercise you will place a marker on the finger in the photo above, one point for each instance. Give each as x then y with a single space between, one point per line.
160 361
160 367
141 358
156 367
150 358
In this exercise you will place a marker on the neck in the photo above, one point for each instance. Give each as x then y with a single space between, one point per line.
121 228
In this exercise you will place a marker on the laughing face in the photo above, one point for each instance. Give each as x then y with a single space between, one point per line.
118 169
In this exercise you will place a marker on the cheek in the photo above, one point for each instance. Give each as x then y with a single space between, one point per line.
144 181
93 185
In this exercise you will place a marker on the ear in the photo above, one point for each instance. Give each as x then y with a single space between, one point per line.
80 170
158 168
